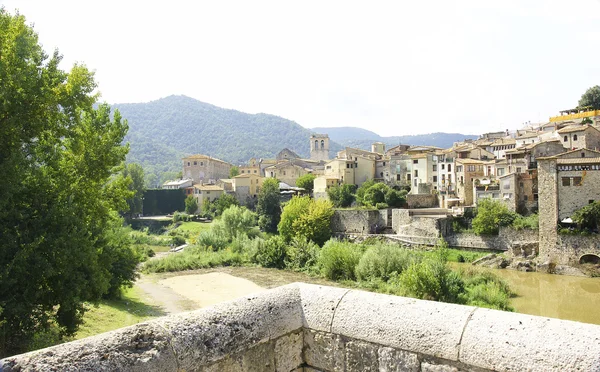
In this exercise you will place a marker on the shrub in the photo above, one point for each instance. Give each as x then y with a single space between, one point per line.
341 196
382 261
381 206
530 222
395 198
304 217
431 279
270 253
234 221
337 260
269 205
212 240
193 258
490 216
178 240
301 254
191 204
240 243
307 182
486 289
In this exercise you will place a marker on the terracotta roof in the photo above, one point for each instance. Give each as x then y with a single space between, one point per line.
247 175
469 161
503 141
208 187
528 135
574 128
200 156
578 161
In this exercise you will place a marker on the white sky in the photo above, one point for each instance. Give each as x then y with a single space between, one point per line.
393 67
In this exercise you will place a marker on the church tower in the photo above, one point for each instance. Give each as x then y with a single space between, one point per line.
319 147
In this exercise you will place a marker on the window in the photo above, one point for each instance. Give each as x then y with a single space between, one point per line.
506 185
443 166
434 178
525 197
590 201
416 161
201 163
348 165
416 173
577 181
384 163
398 178
583 154
500 171
518 169
381 174
435 168
322 144
242 171
565 139
449 167
449 178
316 144
566 181
398 168
574 137
328 167
416 182
208 192
255 171
408 177
195 163
284 173
355 165
459 168
188 163
470 168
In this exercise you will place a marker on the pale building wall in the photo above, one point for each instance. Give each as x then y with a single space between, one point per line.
202 168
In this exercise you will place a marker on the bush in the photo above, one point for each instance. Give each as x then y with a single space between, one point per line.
432 280
486 289
530 222
304 217
337 260
341 196
381 206
212 240
491 215
240 243
178 240
395 198
270 253
384 261
301 254
193 258
234 221
191 204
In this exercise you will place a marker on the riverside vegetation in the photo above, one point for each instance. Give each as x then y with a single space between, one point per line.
235 240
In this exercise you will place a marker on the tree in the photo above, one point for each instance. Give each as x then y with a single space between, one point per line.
360 193
375 194
303 217
62 241
307 182
234 171
588 217
225 201
395 198
491 214
591 98
341 196
269 205
135 173
235 221
191 204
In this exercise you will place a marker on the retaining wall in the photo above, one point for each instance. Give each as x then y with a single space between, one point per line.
422 201
515 242
569 248
358 221
302 327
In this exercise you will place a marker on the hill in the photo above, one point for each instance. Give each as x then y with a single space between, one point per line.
362 138
161 132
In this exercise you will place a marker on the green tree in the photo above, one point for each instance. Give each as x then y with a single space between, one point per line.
235 221
269 205
591 98
225 201
588 217
135 173
375 194
303 217
307 182
395 198
341 196
491 214
61 234
234 171
360 192
191 204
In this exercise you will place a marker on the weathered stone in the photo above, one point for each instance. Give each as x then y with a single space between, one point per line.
408 324
392 360
319 304
142 347
427 367
323 351
361 356
503 341
288 352
228 364
260 358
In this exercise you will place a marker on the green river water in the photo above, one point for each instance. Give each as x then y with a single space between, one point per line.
555 296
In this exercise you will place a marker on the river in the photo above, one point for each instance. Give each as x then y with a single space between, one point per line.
555 296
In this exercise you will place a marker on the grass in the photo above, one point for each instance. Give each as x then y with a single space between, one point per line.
193 228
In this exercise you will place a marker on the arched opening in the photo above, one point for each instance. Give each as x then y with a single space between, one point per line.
589 258
316 144
322 144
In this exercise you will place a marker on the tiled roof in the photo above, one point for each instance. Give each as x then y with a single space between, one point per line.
574 128
208 187
578 161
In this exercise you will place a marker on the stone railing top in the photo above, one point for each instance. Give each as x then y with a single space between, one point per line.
482 338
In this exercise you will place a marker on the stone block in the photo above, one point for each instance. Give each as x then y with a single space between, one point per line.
207 335
392 360
324 351
319 304
417 326
427 367
228 364
361 356
142 347
260 358
504 341
288 352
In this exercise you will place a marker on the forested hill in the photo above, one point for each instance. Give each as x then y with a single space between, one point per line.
362 138
161 132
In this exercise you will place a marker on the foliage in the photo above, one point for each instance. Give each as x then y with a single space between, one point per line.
193 258
212 240
384 261
591 97
270 252
338 260
135 173
341 196
234 171
530 222
60 191
485 289
432 279
375 194
361 191
394 198
301 254
588 217
235 221
307 182
491 214
191 204
269 205
225 201
306 218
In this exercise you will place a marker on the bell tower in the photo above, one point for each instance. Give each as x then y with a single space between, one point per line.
319 147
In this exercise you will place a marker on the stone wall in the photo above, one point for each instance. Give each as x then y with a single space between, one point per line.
302 327
357 221
570 248
515 242
421 201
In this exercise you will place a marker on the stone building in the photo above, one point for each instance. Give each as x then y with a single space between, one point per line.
253 167
247 186
467 170
288 171
319 147
580 137
322 184
286 154
566 183
205 169
204 192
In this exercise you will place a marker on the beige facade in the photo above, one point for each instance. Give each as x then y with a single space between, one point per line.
206 192
247 185
580 137
287 171
205 169
341 169
319 147
253 167
467 170
322 184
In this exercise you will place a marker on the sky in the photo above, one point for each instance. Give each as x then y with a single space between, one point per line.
393 67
